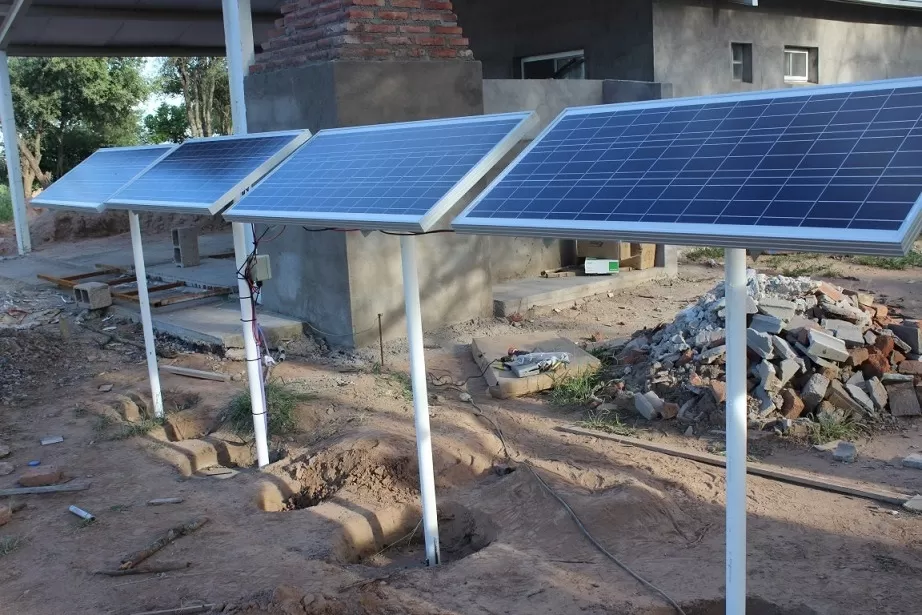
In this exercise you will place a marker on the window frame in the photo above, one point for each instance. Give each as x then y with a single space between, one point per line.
745 62
790 52
562 55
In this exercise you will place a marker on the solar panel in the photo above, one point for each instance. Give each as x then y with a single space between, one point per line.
202 176
402 176
824 168
89 184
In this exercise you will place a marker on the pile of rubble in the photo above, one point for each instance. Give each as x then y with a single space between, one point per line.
815 351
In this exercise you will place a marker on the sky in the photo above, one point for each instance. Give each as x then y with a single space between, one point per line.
150 105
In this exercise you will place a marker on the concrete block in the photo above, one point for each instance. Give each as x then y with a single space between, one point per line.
778 308
903 399
713 354
766 324
870 338
892 378
913 461
847 332
93 295
839 396
911 367
793 405
846 452
860 396
185 246
797 323
783 349
41 476
644 407
914 504
877 392
857 356
826 346
910 334
857 379
787 369
760 343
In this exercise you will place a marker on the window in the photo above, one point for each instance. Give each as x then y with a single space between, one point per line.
567 65
801 64
741 61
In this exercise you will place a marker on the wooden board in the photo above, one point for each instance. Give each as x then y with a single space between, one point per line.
504 384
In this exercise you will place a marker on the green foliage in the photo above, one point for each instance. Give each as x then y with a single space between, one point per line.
913 259
6 204
168 124
607 421
829 428
570 390
703 254
281 400
203 84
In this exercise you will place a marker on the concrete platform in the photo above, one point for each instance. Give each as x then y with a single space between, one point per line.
219 325
212 272
522 295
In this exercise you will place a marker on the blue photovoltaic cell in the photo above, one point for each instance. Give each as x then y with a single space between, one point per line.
819 159
361 174
199 173
93 181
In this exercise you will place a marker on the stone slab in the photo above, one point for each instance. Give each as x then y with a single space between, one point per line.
504 384
903 399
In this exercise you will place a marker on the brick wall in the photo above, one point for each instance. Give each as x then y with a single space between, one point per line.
318 30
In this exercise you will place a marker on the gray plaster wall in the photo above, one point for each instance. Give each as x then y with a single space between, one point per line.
856 43
616 35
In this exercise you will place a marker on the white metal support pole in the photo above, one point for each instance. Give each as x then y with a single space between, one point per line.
140 272
251 353
735 293
420 398
14 171
243 233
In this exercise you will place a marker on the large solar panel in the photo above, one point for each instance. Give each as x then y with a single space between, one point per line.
89 184
202 176
402 176
823 168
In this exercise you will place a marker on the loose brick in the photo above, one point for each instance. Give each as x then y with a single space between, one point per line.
670 410
41 476
718 390
897 357
876 366
830 291
814 391
911 367
793 405
885 345
857 356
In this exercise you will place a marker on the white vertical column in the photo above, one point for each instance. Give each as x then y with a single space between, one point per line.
11 146
243 233
735 292
420 398
140 272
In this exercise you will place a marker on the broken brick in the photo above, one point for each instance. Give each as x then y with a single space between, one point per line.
41 477
857 356
911 367
670 410
6 514
793 405
632 357
876 366
885 345
718 390
830 291
897 357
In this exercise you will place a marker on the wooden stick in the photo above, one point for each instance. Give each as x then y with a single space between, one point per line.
823 483
177 532
185 610
145 570
39 490
194 373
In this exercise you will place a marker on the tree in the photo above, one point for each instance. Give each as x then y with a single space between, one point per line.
202 82
168 124
66 108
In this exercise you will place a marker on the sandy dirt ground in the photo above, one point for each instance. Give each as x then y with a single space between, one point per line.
333 528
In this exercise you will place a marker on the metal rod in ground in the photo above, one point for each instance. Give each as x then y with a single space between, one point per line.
251 351
14 171
150 348
420 398
735 293
381 339
81 513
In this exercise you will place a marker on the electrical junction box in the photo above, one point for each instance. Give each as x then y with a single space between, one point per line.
595 266
260 268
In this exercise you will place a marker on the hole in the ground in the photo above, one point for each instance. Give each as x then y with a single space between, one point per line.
393 538
754 606
321 479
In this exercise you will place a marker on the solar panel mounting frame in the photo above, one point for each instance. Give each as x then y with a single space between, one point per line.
93 207
812 239
400 223
229 196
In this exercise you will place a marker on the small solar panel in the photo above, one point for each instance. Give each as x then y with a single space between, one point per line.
202 176
826 168
89 184
402 176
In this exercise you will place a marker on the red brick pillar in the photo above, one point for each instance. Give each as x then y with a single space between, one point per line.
320 30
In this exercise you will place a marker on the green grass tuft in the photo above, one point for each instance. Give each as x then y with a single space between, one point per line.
571 390
281 401
130 430
913 259
826 429
607 421
6 205
703 254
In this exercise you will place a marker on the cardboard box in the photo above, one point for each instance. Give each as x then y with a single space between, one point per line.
603 266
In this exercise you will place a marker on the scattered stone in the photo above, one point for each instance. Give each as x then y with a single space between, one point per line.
644 407
857 379
104 388
4 451
876 366
827 446
857 356
845 452
825 346
865 299
129 410
6 514
913 461
892 378
861 397
870 338
465 397
897 342
760 343
783 349
910 333
777 308
897 357
799 323
846 311
830 373
766 324
769 386
6 468
877 392
718 390
655 401
48 440
708 339
814 391
830 291
685 412
41 477
911 367
670 410
885 344
786 370
845 331
793 405
914 504
690 431
903 399
839 397
713 354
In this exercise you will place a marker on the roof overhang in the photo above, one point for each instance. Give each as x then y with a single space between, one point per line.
123 27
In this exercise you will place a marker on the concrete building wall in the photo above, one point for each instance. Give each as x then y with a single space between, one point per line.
615 35
856 43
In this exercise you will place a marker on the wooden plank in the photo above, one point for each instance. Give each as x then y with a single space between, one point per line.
40 490
63 283
821 482
159 287
93 274
194 373
215 292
